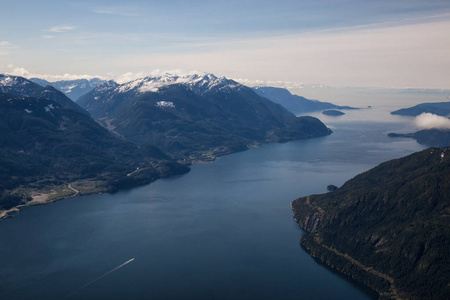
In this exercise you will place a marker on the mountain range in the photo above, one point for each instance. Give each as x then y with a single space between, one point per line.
19 86
195 117
71 88
294 103
49 145
387 228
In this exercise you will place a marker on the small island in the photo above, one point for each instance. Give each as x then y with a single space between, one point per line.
333 112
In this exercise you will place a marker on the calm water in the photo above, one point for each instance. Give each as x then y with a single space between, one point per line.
223 231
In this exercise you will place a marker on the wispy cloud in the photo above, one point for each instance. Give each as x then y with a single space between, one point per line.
19 71
116 11
13 70
290 85
412 55
6 47
59 29
430 121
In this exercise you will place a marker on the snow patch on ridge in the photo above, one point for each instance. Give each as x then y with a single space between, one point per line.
166 104
49 107
7 81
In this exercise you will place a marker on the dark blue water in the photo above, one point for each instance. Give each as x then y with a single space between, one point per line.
222 231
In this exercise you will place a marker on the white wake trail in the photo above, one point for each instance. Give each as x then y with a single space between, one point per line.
98 278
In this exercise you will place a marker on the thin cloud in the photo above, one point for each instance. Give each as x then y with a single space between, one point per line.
413 55
116 11
59 29
19 71
290 85
6 47
13 70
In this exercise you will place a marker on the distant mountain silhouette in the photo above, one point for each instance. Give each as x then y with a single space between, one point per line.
294 103
71 88
437 108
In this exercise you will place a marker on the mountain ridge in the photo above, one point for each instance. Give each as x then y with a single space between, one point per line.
294 103
386 228
71 88
48 148
20 86
195 117
437 108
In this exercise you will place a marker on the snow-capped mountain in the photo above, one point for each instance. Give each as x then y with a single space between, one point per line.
47 140
188 116
19 86
71 88
199 84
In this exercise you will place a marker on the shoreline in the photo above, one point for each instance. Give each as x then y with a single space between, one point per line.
377 282
38 198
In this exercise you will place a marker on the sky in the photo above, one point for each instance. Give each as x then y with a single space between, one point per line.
341 43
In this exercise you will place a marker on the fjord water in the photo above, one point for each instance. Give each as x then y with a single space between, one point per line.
222 231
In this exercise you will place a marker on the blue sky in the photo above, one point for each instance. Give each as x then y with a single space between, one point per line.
337 43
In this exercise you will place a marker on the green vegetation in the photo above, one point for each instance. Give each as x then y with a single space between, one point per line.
201 123
388 227
44 147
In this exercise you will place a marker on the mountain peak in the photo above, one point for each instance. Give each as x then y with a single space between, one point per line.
20 86
11 80
198 83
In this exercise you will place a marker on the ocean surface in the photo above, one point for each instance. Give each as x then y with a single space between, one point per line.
223 231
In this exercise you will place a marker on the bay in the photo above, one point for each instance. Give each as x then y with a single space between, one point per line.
222 231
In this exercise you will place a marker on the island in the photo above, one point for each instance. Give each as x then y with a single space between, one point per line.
333 112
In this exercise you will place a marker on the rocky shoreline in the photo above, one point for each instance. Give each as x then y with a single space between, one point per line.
344 264
387 228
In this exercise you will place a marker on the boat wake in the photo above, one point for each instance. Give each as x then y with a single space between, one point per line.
98 278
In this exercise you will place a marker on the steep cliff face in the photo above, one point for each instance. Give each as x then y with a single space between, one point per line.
388 227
